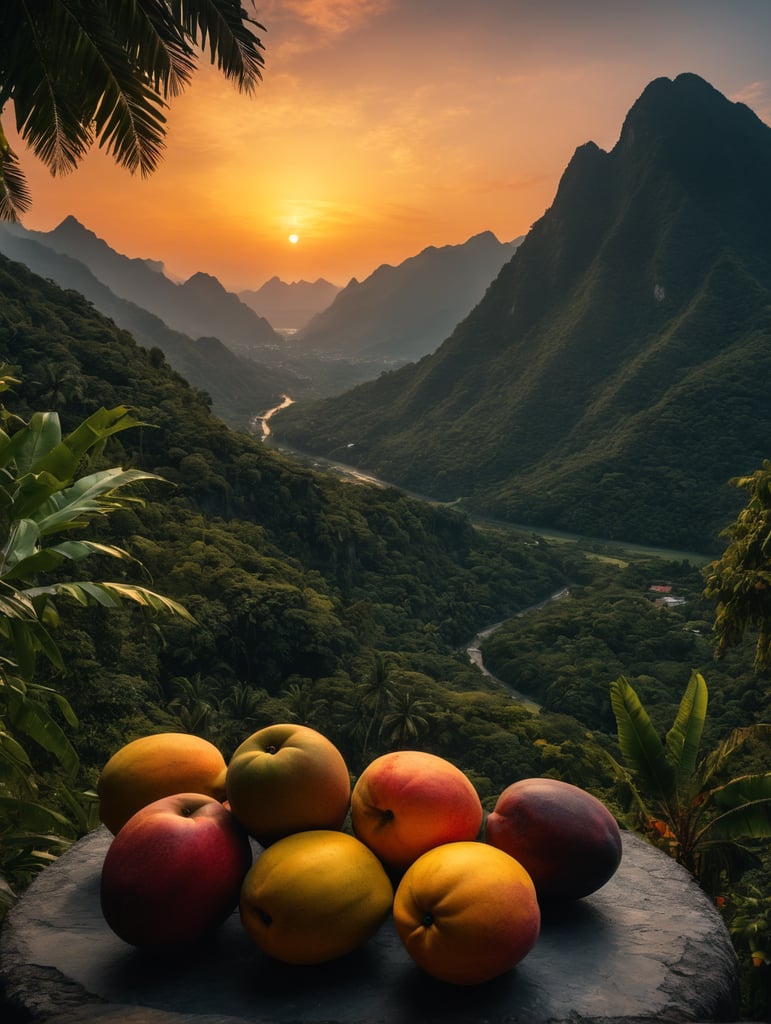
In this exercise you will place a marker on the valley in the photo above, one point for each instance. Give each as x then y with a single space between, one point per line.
337 550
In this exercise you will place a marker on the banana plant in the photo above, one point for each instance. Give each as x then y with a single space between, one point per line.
44 502
682 800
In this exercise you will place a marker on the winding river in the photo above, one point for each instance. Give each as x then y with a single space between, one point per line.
473 648
475 654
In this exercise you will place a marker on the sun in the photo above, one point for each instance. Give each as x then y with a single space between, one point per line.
294 239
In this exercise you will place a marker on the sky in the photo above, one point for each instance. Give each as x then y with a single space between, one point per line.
382 127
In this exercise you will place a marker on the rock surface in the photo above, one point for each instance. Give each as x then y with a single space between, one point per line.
649 946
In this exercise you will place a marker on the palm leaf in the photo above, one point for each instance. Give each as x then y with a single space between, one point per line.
110 595
744 789
99 426
222 27
640 743
34 817
28 636
684 738
13 754
15 197
736 739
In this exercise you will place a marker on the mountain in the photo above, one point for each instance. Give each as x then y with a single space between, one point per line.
299 583
239 388
403 312
198 307
613 378
288 307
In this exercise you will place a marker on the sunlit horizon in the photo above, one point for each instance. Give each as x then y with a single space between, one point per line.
381 129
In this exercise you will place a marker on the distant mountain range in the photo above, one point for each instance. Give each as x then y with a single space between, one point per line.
614 376
402 313
392 316
199 307
288 307
239 387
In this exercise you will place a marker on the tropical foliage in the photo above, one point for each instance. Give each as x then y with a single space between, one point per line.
340 605
101 71
46 499
740 581
683 801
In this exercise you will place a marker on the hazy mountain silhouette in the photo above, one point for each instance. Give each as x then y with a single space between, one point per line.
239 388
403 312
614 376
290 306
200 306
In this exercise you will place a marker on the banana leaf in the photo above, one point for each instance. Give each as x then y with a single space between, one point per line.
35 817
744 789
33 442
684 738
640 743
110 595
31 718
748 821
90 495
45 559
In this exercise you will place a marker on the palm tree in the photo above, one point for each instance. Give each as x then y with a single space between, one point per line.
682 802
407 719
193 707
240 712
740 581
374 691
303 704
84 71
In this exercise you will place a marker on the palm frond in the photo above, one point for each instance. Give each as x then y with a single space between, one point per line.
15 198
31 718
46 559
153 39
224 28
90 495
735 740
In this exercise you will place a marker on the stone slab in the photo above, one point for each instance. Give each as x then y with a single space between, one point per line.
649 946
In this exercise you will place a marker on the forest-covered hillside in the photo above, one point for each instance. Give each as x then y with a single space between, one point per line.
607 384
293 577
342 606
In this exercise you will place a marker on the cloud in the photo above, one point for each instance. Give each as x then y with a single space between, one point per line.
757 96
297 26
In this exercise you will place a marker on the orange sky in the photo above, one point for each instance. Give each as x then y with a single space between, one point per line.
385 126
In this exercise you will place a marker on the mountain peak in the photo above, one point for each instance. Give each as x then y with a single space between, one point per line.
71 228
203 281
686 104
618 353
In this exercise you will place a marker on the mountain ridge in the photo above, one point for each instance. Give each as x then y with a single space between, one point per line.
403 312
195 307
239 388
590 377
290 305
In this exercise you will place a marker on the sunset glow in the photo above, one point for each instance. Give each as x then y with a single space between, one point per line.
382 127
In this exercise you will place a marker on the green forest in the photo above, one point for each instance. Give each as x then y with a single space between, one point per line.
343 606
